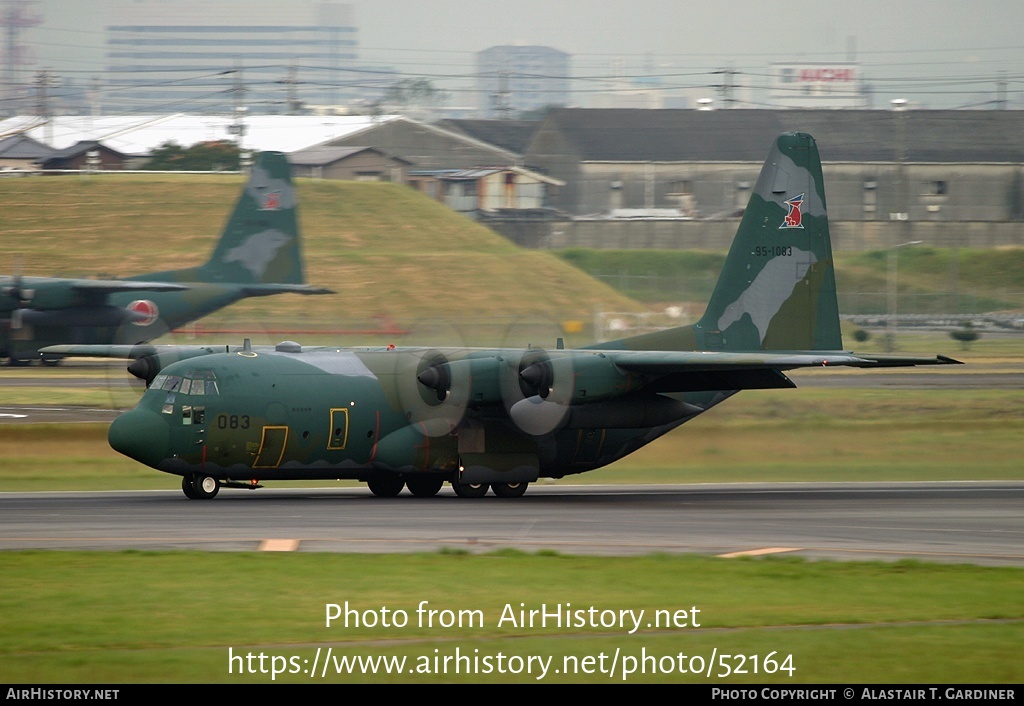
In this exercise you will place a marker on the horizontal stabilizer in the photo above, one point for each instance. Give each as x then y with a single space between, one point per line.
261 290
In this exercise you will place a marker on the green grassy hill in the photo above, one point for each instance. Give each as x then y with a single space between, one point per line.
390 253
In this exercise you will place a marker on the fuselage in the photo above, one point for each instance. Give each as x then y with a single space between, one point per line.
24 333
359 413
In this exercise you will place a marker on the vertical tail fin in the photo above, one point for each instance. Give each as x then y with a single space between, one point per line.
260 244
777 290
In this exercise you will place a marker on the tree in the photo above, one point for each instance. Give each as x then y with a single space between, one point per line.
213 156
966 335
416 96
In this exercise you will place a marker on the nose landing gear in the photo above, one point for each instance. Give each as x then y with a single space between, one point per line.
197 486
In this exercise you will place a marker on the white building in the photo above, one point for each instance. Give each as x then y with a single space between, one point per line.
515 78
807 85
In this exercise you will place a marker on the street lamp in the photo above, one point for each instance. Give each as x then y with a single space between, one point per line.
890 320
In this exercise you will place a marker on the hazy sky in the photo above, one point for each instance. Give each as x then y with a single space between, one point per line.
938 53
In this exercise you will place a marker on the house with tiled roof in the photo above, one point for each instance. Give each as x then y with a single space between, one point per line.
19 152
85 155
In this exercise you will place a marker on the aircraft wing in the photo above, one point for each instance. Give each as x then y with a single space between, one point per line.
110 286
122 351
147 360
260 290
660 362
673 371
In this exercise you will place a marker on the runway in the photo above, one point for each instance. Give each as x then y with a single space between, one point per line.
964 522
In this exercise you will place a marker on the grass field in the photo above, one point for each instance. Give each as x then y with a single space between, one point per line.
178 617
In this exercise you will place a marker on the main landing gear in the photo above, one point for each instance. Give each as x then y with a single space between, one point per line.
429 486
509 490
198 486
478 490
384 487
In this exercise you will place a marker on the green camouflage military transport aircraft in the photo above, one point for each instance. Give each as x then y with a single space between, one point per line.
500 419
258 254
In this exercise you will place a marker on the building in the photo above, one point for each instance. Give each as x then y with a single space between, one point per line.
806 85
87 155
917 165
491 192
512 79
19 152
511 135
348 163
138 135
261 55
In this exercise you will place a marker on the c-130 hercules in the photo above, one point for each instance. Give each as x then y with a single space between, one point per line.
500 419
258 254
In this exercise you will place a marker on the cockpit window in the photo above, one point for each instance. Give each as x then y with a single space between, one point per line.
172 383
193 382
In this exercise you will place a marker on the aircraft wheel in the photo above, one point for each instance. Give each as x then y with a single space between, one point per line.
52 362
385 487
469 490
509 490
206 487
424 487
188 487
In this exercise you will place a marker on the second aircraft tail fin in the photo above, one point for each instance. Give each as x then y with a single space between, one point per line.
260 244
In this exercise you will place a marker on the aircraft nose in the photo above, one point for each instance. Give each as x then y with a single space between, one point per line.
142 435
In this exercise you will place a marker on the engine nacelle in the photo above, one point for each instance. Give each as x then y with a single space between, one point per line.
575 377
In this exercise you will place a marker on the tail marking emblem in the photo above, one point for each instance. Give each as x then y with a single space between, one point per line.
793 219
272 201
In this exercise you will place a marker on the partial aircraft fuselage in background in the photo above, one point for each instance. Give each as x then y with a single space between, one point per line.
258 254
500 419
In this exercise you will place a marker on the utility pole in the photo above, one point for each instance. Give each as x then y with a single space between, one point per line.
43 82
292 82
95 98
725 88
237 127
15 16
501 98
